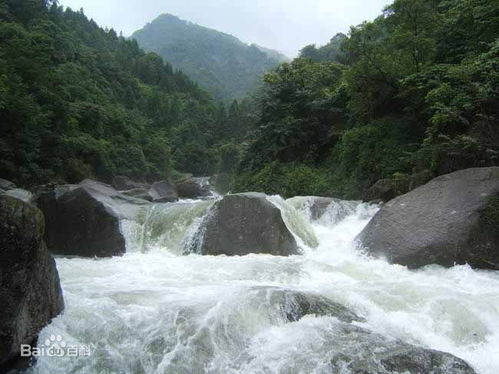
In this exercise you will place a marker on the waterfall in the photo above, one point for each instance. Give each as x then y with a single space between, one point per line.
165 227
156 310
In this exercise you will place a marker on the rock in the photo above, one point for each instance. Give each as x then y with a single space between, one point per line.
84 220
222 183
325 209
123 183
20 194
193 188
386 189
443 222
163 192
6 185
138 193
358 350
294 305
245 223
30 292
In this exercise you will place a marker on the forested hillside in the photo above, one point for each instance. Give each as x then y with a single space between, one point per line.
408 96
220 63
78 101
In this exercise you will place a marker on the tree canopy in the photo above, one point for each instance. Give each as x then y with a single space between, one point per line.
408 96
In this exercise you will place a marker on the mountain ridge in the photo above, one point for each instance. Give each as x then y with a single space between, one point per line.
219 62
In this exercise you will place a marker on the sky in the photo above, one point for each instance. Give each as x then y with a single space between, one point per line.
284 25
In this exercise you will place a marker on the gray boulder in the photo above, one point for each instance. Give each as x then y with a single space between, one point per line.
454 219
30 292
84 220
326 209
294 305
360 351
20 194
6 185
193 188
138 193
387 189
245 223
123 183
163 192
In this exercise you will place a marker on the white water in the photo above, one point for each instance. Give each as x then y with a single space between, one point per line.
156 311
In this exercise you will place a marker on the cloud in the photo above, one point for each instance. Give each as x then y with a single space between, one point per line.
285 25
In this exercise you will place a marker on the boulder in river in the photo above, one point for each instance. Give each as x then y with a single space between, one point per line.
294 305
138 193
123 183
453 219
84 220
358 350
246 223
193 188
163 192
30 292
326 209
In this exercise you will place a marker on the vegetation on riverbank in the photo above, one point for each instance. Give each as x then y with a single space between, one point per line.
413 93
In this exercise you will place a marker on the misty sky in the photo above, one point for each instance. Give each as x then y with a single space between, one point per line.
285 25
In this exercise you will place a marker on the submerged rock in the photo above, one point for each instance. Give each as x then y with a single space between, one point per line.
193 188
294 305
30 292
360 351
246 223
84 220
163 192
444 222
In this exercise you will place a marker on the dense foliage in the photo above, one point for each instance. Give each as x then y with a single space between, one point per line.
220 63
78 101
408 96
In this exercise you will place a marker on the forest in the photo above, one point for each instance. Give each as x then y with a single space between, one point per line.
78 101
399 100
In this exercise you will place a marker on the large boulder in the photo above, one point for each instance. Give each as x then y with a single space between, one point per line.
193 188
84 219
386 189
123 183
454 219
163 192
139 193
358 350
246 223
30 292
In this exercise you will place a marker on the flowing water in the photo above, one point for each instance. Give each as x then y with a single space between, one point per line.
158 310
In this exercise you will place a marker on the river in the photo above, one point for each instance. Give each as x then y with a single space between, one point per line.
159 310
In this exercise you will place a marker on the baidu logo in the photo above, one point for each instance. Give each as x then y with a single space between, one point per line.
55 346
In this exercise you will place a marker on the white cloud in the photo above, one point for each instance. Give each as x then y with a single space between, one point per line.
285 25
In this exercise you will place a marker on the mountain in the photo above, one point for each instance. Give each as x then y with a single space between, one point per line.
78 101
220 63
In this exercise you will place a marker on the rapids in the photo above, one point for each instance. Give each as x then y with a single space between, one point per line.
158 310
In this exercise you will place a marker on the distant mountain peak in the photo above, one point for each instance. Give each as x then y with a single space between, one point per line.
219 62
